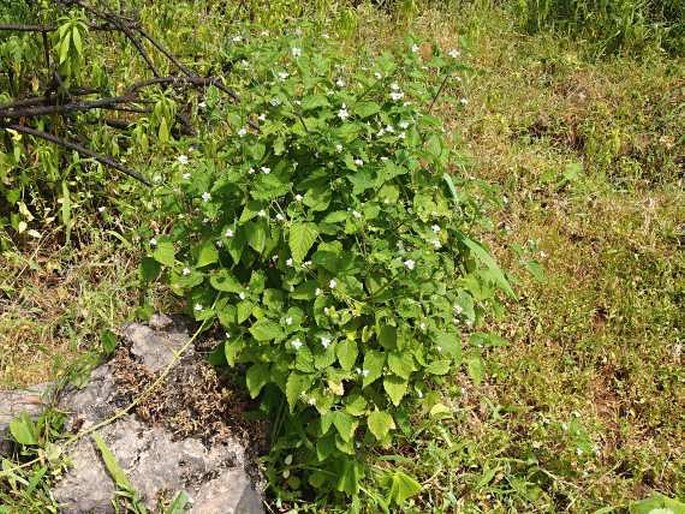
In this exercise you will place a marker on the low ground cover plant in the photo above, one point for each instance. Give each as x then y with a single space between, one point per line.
327 234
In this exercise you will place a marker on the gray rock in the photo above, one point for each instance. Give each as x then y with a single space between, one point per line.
32 400
155 349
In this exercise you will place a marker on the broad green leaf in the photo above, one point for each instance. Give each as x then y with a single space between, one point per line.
314 101
374 361
302 237
223 280
402 486
349 477
266 330
474 366
344 424
449 344
401 364
164 253
347 353
76 38
108 341
657 504
355 405
23 429
257 150
396 387
387 337
256 236
296 385
207 254
232 349
366 109
256 378
439 367
244 310
380 423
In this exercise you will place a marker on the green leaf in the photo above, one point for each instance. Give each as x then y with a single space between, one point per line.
380 423
453 190
314 101
449 343
434 146
23 430
474 367
179 504
387 337
374 361
66 209
109 341
244 310
485 258
401 364
223 280
266 330
257 150
349 477
232 349
76 38
402 486
366 109
439 367
396 387
256 236
165 253
111 463
302 237
256 378
149 269
347 353
296 385
207 254
344 424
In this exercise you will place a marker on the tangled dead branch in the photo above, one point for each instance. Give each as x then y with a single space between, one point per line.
23 112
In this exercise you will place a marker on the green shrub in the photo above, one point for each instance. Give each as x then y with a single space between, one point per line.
326 234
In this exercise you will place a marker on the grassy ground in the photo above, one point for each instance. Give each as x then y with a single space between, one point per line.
585 406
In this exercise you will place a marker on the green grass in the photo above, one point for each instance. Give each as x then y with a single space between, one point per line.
584 408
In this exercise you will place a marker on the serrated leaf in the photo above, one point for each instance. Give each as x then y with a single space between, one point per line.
396 387
266 330
256 236
223 280
256 378
380 423
164 253
296 385
402 486
449 344
314 101
347 353
23 430
232 349
387 337
401 364
344 424
439 367
474 367
302 237
485 258
374 361
208 254
366 109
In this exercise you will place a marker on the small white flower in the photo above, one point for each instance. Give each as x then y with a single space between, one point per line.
454 53
333 283
389 128
326 310
280 217
365 373
265 170
403 125
422 326
153 242
288 460
186 271
227 334
296 51
262 213
229 232
396 95
182 159
306 264
378 75
437 244
357 214
237 39
274 258
409 264
318 291
384 159
435 228
419 393
402 135
262 117
102 209
202 105
414 48
289 262
343 113
186 176
289 320
311 401
380 133
285 474
198 307
359 162
339 148
242 295
458 309
395 86
463 101
242 132
206 197
283 75
219 244
296 344
340 83
250 171
298 197
325 341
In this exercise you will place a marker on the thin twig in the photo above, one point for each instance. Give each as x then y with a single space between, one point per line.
79 149
435 98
